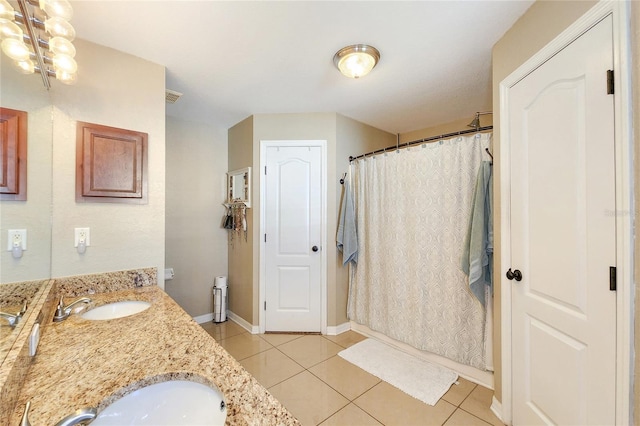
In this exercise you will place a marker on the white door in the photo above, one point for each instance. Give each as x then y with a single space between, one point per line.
293 256
561 136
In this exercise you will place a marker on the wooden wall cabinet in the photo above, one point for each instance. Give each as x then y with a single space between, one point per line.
111 165
13 154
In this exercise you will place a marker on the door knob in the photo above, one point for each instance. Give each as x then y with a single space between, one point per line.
314 248
514 274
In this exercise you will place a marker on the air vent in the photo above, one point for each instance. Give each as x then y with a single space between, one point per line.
171 96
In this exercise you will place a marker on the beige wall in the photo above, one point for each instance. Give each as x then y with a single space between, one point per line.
122 236
445 128
241 262
196 243
118 90
27 93
344 137
316 126
635 53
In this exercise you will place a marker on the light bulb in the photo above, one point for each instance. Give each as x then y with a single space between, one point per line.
25 67
59 45
65 63
58 27
356 65
15 49
7 11
57 8
9 29
66 77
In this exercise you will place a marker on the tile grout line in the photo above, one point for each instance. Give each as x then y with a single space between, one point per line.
349 400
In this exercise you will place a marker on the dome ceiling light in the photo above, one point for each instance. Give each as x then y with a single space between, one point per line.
356 60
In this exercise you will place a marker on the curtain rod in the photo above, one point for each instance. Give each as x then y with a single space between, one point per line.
432 138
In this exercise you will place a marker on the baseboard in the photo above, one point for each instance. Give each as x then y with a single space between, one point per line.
475 375
496 408
338 329
253 329
204 318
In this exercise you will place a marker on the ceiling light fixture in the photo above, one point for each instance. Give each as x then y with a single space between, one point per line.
356 60
38 38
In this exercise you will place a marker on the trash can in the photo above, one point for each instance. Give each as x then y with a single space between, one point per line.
220 299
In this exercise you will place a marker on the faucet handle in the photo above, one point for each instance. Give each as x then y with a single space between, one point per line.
60 314
24 309
25 416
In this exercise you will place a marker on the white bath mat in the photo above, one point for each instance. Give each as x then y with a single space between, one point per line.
420 379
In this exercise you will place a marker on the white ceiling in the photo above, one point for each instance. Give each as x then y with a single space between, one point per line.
232 59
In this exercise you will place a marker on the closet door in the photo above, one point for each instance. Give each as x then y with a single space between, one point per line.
292 248
563 243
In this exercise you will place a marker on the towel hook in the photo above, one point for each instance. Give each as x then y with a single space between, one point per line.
490 155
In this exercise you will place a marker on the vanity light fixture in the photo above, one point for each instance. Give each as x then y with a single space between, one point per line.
356 60
38 38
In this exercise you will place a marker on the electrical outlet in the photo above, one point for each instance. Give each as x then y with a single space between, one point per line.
17 237
82 234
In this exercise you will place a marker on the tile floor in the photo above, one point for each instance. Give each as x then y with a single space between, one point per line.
320 388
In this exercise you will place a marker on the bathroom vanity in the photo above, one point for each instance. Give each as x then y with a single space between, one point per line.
92 363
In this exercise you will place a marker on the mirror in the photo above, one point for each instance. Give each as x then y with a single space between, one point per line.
239 186
14 297
21 278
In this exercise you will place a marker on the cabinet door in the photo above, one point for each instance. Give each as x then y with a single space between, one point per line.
111 164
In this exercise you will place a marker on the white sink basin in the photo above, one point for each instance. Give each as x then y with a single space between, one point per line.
116 310
175 403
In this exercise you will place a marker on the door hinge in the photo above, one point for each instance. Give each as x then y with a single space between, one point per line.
612 278
265 238
265 170
265 305
610 82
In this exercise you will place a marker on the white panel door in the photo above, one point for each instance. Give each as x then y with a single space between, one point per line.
563 243
293 258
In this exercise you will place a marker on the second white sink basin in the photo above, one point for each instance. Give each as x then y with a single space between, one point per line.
175 403
116 310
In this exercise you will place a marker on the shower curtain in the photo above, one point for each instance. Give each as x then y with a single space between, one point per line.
412 215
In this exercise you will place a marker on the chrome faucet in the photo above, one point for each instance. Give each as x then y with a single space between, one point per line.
79 417
14 319
63 312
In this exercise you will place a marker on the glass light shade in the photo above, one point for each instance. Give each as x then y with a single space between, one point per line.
9 29
357 60
65 63
62 46
66 77
15 49
7 11
57 8
25 67
58 27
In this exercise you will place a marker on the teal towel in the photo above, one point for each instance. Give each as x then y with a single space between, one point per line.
477 257
347 238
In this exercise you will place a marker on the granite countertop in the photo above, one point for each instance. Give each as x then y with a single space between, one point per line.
82 363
